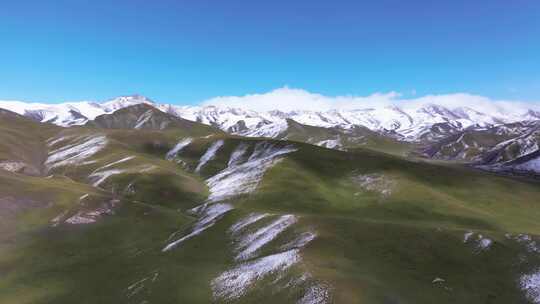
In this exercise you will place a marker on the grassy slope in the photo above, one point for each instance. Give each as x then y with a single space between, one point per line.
372 249
95 263
146 117
22 139
377 250
350 140
396 246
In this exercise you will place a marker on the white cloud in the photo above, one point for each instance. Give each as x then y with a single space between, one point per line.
289 99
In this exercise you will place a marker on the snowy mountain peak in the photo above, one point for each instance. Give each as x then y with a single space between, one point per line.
531 115
126 101
438 111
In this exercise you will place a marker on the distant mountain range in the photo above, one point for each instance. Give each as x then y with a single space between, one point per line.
494 140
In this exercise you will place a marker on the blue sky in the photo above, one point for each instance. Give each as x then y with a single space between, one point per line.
189 51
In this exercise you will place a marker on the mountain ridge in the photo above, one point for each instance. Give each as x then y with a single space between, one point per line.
409 124
462 134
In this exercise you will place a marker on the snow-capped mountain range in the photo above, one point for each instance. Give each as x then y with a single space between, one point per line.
72 113
424 122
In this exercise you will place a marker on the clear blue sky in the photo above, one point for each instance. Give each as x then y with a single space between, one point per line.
187 51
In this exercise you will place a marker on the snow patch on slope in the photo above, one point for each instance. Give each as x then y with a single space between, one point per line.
481 243
330 143
122 160
208 214
12 166
234 283
178 147
530 283
530 244
237 155
376 182
145 117
74 153
250 219
531 165
300 241
244 178
101 176
80 218
83 217
209 154
252 242
316 294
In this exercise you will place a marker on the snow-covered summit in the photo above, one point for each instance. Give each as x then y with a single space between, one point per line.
125 101
72 113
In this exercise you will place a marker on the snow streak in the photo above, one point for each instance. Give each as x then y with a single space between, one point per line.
252 242
209 214
209 154
143 119
234 283
244 178
76 152
252 268
179 146
252 218
100 177
236 156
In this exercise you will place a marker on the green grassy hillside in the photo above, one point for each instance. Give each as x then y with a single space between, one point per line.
177 216
22 143
147 117
351 139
